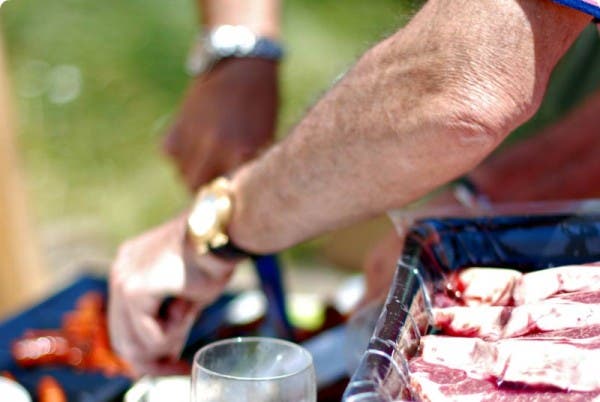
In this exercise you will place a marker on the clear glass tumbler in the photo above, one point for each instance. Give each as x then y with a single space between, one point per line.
253 370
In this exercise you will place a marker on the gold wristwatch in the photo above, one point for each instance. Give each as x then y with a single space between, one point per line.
208 220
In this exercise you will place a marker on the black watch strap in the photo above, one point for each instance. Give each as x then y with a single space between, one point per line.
230 251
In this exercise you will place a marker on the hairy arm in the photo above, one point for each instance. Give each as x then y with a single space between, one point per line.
559 163
418 109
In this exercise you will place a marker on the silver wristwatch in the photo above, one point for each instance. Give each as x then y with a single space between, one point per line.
229 41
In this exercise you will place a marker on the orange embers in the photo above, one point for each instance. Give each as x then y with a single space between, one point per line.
49 390
81 342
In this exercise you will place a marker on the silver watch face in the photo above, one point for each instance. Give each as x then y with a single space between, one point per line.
230 40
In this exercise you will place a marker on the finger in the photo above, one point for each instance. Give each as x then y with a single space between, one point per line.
118 318
130 349
179 329
151 335
148 357
165 334
133 333
127 340
176 330
155 336
117 327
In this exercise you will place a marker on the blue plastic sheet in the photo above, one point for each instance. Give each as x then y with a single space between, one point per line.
81 386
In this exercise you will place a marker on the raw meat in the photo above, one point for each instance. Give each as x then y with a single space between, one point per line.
433 383
572 310
493 288
542 284
513 337
571 365
502 287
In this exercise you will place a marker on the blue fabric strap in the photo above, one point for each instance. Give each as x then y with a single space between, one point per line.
581 5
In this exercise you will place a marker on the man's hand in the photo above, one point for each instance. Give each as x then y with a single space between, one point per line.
227 117
155 266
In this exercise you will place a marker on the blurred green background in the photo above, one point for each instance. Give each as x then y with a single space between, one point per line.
96 84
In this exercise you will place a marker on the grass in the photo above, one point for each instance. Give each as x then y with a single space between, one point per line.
96 84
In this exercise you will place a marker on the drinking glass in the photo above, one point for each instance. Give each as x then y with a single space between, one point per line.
253 369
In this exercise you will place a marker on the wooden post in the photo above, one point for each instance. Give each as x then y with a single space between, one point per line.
22 277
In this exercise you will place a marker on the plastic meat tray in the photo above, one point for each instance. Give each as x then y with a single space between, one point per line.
436 247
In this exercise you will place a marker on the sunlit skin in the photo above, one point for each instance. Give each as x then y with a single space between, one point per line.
534 169
418 109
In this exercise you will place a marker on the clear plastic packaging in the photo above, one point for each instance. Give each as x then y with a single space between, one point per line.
526 237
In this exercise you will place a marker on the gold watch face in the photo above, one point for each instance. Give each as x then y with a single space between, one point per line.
204 218
210 215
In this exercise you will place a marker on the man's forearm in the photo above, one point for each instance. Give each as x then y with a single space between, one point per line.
261 16
419 109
